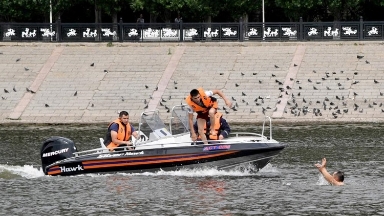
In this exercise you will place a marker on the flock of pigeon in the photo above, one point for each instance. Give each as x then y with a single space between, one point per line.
6 91
296 103
347 101
341 104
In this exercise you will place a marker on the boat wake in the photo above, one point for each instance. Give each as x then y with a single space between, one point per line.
242 170
30 172
26 171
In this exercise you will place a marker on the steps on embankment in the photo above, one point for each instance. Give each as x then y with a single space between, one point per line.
311 73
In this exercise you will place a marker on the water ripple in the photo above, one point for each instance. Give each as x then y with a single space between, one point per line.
290 185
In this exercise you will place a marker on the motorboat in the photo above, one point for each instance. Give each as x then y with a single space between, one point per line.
162 147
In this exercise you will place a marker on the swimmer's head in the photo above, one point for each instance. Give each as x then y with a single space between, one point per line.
339 176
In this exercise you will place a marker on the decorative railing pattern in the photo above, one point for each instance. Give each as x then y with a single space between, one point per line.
149 32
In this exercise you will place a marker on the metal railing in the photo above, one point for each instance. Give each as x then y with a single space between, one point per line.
178 32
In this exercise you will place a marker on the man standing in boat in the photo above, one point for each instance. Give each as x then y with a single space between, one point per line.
119 132
205 106
221 127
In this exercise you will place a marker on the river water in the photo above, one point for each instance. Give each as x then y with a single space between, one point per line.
289 185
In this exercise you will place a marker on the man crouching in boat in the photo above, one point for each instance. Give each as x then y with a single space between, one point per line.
221 127
205 106
119 132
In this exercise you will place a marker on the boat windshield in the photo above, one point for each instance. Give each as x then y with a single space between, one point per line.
153 120
150 122
179 119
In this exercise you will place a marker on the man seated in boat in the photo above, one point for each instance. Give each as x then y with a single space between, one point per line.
337 178
221 127
205 106
119 132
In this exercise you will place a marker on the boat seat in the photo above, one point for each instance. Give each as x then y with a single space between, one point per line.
102 144
142 138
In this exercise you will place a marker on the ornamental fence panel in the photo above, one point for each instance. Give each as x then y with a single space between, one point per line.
190 32
26 32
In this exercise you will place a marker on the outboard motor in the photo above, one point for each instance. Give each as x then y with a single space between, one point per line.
54 149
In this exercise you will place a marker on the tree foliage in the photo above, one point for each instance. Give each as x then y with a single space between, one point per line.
239 8
193 10
32 10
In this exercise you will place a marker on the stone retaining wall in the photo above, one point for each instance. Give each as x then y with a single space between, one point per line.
289 81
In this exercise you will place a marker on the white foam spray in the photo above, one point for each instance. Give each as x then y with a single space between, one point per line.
25 171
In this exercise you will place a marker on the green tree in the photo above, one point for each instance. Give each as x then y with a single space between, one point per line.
59 6
320 9
241 8
297 8
19 10
35 10
340 9
198 10
161 9
109 7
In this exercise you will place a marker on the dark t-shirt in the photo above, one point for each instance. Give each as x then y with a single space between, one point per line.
115 127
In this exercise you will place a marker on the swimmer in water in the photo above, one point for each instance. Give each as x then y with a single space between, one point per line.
337 178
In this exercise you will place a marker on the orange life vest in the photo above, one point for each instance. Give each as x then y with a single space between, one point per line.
217 125
207 102
123 133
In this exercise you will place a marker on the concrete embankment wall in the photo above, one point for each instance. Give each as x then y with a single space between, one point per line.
290 81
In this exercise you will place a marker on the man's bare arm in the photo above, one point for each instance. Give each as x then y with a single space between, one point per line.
136 135
115 140
191 128
221 94
190 121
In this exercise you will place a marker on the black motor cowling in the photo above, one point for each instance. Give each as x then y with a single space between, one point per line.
54 149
